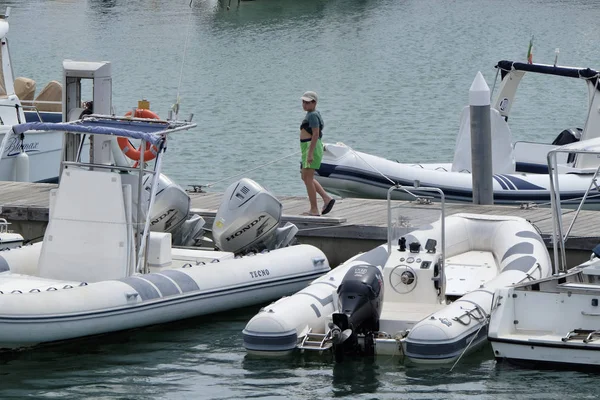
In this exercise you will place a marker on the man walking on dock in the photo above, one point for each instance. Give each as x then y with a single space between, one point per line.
311 132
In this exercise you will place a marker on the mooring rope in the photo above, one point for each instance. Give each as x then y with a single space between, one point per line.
372 167
484 323
574 200
247 171
324 227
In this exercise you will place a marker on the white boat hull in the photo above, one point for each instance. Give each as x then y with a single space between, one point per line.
550 322
351 173
37 310
44 151
543 354
415 320
277 328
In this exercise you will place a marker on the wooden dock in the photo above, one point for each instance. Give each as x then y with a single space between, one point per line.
354 225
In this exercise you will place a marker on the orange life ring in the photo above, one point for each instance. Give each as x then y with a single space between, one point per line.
129 149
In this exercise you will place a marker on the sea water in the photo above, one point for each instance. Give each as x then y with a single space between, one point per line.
392 77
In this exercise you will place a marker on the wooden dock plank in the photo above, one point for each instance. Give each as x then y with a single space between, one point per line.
350 218
586 227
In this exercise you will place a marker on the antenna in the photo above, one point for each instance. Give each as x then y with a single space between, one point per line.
175 107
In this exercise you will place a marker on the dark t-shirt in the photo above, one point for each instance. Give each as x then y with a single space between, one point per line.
312 120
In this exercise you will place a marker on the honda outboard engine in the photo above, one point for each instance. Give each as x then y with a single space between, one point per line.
360 299
170 210
248 220
171 205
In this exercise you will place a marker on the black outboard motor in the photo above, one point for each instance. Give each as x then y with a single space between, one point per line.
360 299
568 136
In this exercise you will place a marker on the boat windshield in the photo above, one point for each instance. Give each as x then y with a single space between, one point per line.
419 213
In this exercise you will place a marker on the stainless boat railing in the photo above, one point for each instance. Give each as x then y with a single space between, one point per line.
559 236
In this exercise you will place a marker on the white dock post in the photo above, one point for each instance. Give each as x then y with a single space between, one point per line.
481 141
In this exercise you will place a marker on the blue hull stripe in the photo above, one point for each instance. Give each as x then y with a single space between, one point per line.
440 351
501 182
142 286
507 182
183 280
164 284
519 248
316 310
531 235
259 341
521 184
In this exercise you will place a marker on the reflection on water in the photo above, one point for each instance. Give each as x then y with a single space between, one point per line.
355 377
102 6
204 358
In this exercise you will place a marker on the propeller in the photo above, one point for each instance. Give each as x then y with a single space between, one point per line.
337 335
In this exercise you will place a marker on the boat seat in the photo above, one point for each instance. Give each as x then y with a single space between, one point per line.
24 88
52 92
89 236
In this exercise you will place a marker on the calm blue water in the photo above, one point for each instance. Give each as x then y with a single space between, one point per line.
201 358
392 76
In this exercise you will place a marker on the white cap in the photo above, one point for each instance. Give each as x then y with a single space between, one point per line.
310 96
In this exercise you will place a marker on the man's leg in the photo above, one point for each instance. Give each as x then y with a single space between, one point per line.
308 176
319 189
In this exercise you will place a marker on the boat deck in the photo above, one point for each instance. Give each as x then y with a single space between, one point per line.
354 224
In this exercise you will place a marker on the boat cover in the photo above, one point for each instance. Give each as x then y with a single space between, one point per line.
151 132
503 158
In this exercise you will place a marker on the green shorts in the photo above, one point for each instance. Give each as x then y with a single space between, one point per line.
317 155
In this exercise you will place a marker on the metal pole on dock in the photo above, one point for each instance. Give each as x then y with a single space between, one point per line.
481 141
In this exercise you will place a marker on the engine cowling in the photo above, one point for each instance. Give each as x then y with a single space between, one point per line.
360 299
171 207
248 220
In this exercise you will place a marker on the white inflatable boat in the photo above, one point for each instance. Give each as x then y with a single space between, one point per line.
428 302
520 169
44 301
98 271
